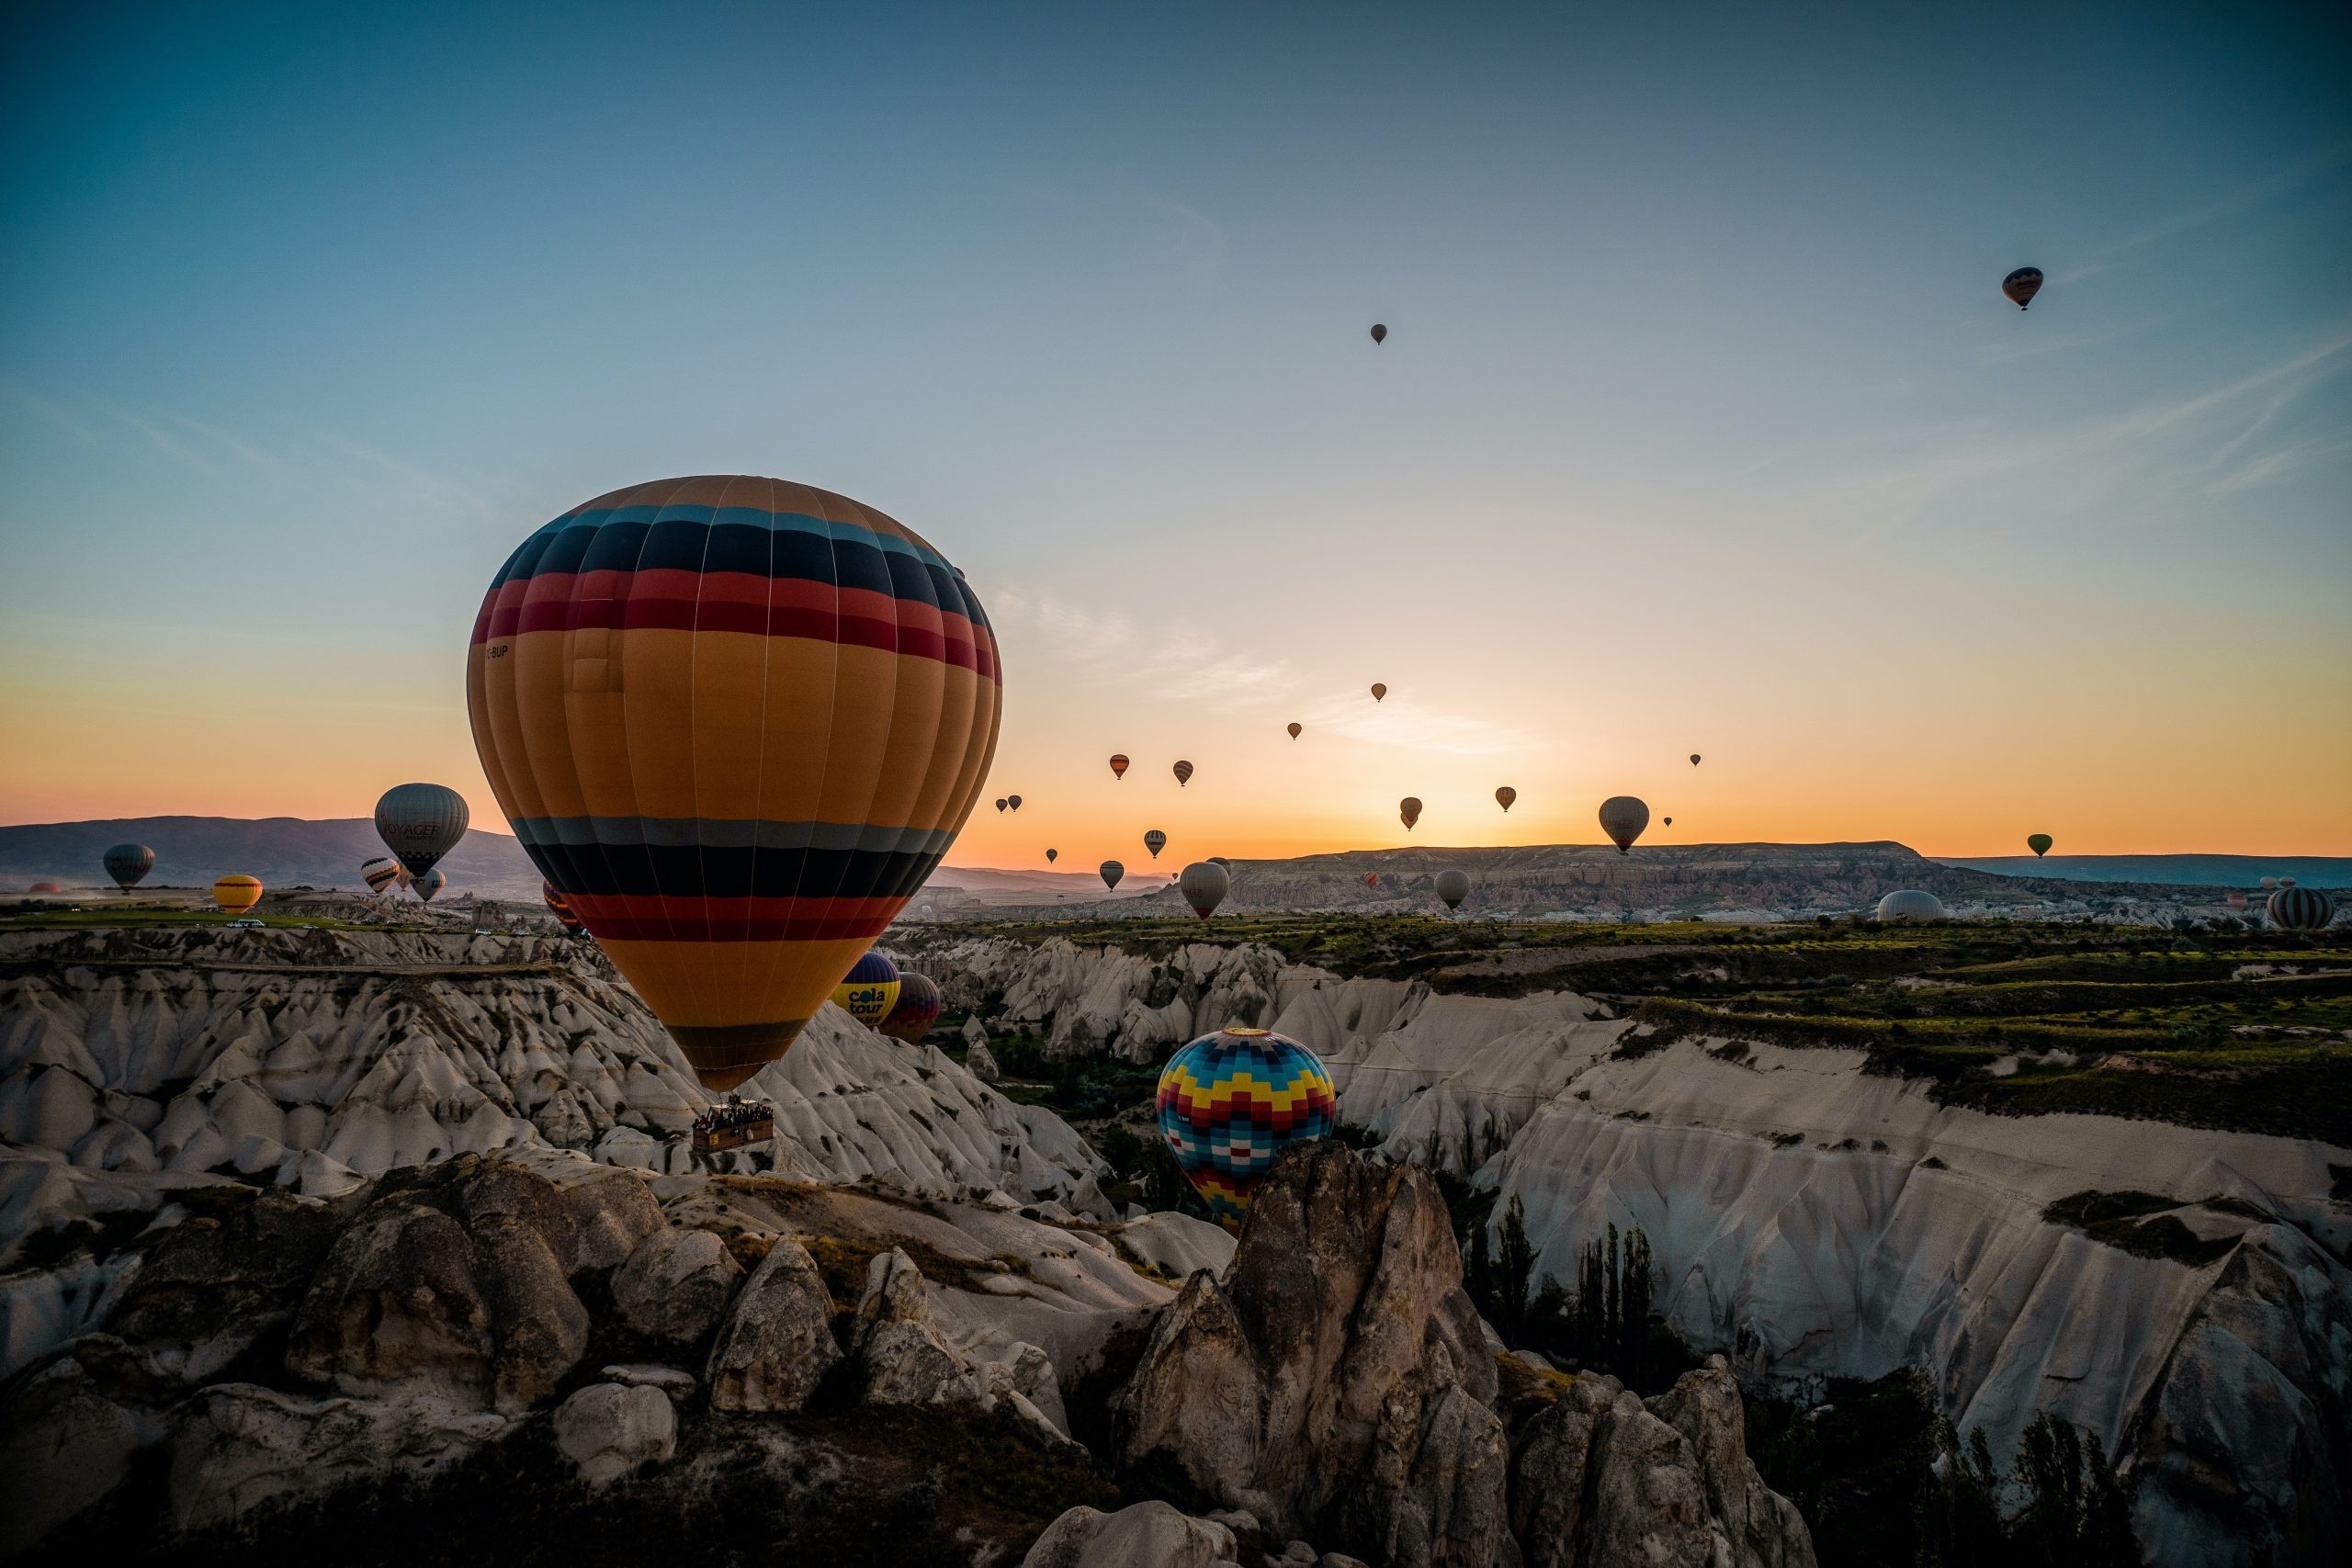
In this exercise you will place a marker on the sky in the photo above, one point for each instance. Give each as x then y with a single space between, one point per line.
1702 424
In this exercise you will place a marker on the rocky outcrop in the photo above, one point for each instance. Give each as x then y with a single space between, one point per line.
609 1430
907 1358
1148 1535
777 1344
676 1285
1338 1383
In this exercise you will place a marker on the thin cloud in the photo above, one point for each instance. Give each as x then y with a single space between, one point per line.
1202 246
1399 721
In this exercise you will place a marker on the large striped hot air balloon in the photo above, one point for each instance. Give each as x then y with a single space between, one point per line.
2299 909
420 823
870 989
128 864
236 893
917 1008
1230 1102
737 722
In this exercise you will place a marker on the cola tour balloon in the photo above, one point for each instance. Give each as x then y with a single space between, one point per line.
1379 333
1294 727
1155 840
917 1008
1118 764
870 989
1504 795
737 722
2039 843
420 823
1112 871
2021 286
128 864
1623 817
236 893
1379 690
1205 885
1230 1102
1452 886
1184 772
380 873
426 884
1408 811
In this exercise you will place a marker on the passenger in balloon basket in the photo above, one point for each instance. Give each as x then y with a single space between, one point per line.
733 1122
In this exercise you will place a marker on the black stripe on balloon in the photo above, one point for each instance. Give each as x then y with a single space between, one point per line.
688 871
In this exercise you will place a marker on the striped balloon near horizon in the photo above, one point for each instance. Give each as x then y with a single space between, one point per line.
1230 1102
735 722
2300 908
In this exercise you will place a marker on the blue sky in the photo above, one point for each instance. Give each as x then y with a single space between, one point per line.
1701 427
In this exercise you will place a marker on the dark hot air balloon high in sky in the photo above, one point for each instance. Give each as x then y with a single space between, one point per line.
1379 332
426 884
1669 821
1379 690
1155 840
1294 727
1118 764
1184 772
1014 801
236 893
2299 909
917 1008
1452 886
1623 817
561 908
738 722
1505 797
2023 285
870 989
1230 1102
379 873
1112 871
1001 804
1205 885
1408 811
1052 855
128 864
420 823
1694 758
2039 843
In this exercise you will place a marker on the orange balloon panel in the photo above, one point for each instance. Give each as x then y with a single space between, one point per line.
735 722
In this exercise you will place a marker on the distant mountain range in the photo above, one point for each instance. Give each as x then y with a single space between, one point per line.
2180 871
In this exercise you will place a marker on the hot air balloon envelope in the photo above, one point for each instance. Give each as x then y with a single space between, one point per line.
1155 840
1052 855
429 883
2023 285
2039 843
1014 801
917 1008
1118 764
2299 909
1910 904
1294 727
1379 333
870 989
1694 758
1184 772
1230 1102
1379 690
127 863
1504 795
1372 879
1112 871
561 908
737 721
1205 885
420 823
999 805
1452 886
1408 811
1623 817
45 887
379 873
236 893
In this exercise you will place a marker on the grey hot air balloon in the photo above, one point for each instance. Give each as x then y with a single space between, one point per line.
2299 909
420 823
1910 904
1014 801
1623 817
1205 885
1408 811
1112 871
430 883
1452 886
1052 855
127 863
1155 842
1294 728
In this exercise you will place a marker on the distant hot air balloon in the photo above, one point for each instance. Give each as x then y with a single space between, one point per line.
236 893
1230 1102
1910 904
379 873
1452 886
870 989
2299 909
1118 764
1504 795
45 887
1623 817
1372 879
1052 855
2237 900
1155 840
1379 690
127 863
1205 885
1408 811
1669 821
420 823
1294 727
929 908
425 886
1694 758
2023 285
738 722
1379 333
561 908
1014 801
1220 860
401 876
2269 882
1000 804
1112 871
1184 772
2286 881
2039 843
917 1008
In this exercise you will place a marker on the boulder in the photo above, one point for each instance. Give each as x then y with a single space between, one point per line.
211 1285
908 1360
609 1430
979 1061
1146 1535
1339 1384
676 1285
778 1343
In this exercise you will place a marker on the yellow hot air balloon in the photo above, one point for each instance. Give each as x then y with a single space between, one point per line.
236 893
735 722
